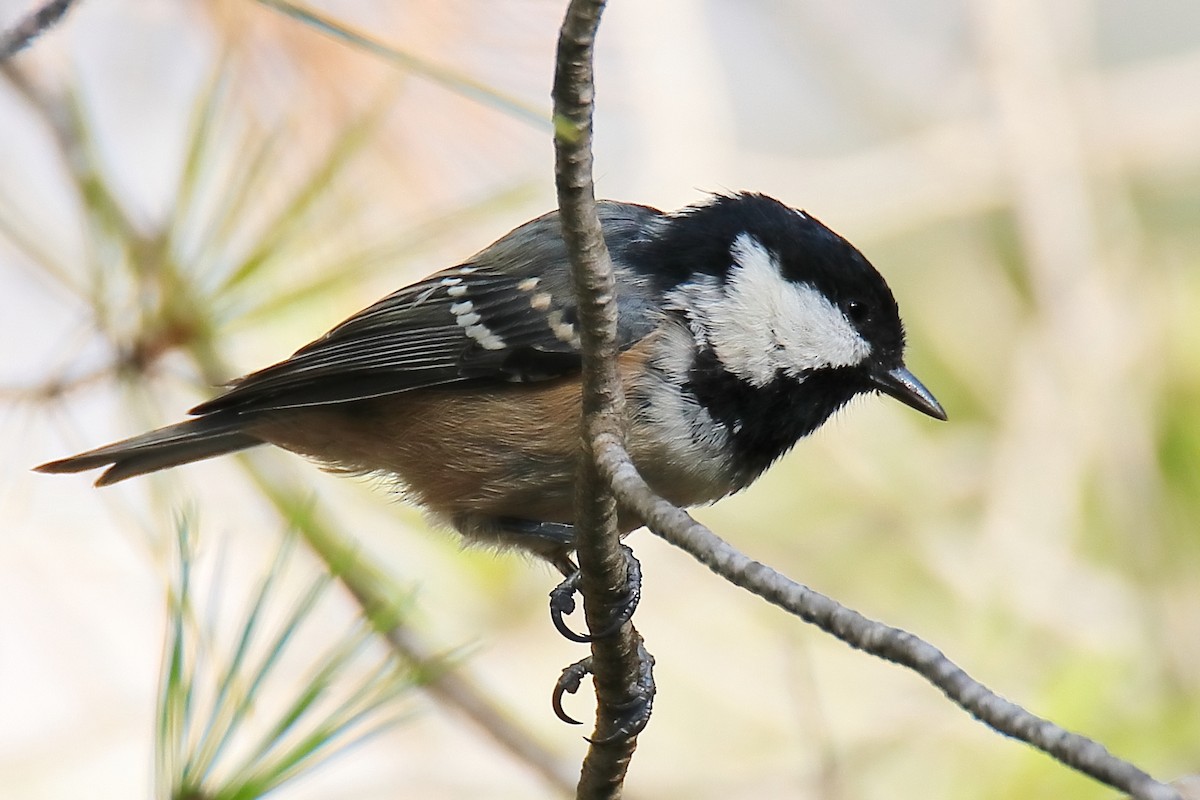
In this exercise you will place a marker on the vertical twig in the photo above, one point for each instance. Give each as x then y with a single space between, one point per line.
615 660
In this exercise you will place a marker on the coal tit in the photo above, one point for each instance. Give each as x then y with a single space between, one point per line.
743 324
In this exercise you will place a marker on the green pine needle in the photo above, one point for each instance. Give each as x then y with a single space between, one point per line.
215 740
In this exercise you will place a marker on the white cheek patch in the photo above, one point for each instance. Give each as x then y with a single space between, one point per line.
759 323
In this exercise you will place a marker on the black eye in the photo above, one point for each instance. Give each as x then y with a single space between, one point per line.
858 312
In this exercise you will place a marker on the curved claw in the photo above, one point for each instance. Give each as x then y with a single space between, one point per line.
562 603
569 683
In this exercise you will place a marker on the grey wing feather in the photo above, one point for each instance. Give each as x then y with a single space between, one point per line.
508 314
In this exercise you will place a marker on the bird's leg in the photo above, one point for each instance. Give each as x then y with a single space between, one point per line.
555 541
543 537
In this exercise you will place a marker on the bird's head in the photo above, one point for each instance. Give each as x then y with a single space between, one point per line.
791 320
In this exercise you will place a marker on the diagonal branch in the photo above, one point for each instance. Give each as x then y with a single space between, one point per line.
891 644
443 680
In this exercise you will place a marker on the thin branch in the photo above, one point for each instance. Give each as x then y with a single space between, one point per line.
891 644
21 35
453 689
616 660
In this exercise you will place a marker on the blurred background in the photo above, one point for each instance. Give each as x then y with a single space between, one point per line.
192 190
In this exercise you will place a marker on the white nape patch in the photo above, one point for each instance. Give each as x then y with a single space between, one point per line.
759 323
529 284
540 301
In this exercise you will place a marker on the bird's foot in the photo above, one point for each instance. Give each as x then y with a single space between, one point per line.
631 716
562 602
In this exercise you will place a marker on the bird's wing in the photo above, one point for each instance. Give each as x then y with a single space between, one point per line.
511 322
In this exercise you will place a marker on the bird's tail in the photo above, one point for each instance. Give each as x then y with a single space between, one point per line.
181 443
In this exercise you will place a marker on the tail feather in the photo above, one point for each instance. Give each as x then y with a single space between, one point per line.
182 443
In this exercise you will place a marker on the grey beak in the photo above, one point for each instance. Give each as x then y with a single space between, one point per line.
904 386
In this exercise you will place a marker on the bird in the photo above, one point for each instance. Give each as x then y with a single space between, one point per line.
743 325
